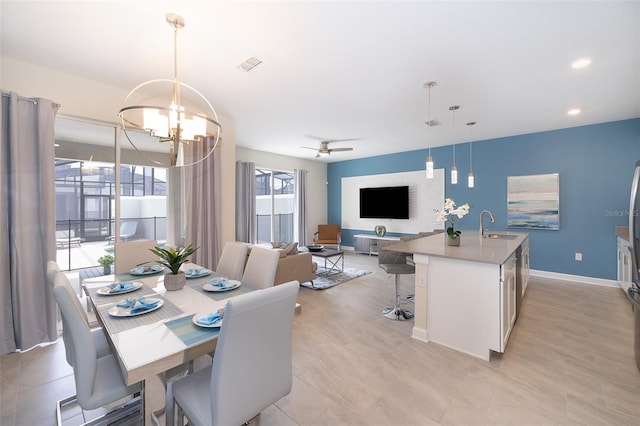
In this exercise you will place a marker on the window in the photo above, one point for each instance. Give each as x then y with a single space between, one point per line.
85 193
275 204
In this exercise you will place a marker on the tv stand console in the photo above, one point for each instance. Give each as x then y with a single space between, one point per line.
368 243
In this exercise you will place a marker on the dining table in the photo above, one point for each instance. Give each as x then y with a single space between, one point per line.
166 337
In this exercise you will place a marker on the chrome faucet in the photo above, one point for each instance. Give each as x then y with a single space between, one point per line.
490 217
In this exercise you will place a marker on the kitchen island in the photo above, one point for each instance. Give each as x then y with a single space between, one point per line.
465 297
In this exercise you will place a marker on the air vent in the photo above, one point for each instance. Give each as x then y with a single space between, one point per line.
250 64
432 123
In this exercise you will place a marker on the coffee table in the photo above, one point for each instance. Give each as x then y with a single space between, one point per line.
332 257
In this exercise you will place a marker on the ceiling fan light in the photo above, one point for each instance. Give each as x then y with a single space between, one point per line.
323 153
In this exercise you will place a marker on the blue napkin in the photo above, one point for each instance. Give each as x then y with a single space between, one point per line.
195 272
210 319
126 303
143 269
120 287
221 282
142 305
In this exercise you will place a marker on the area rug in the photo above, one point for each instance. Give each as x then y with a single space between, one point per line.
321 282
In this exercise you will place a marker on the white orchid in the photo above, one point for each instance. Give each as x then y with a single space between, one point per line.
450 211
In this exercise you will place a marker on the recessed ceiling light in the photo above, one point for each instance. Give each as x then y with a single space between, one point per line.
574 111
581 63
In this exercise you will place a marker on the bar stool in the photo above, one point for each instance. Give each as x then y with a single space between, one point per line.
395 263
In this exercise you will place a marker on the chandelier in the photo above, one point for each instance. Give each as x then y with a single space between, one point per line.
174 112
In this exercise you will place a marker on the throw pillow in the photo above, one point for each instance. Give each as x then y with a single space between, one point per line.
289 248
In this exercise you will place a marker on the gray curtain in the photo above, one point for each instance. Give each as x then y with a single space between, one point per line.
246 202
300 182
203 186
27 222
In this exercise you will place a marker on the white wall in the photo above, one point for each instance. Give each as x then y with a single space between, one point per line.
316 180
83 97
425 195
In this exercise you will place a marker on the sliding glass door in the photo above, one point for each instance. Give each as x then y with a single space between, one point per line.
275 205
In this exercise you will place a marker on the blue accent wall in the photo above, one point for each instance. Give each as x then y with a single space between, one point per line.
595 164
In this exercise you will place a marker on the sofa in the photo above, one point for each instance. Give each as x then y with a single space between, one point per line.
298 266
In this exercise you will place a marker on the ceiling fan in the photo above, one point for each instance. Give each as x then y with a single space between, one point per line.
323 150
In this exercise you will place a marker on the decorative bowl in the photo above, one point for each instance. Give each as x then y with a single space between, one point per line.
315 248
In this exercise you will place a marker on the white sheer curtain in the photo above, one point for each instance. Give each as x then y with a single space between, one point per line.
203 186
27 222
246 202
301 216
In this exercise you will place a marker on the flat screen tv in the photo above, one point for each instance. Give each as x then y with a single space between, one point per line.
390 202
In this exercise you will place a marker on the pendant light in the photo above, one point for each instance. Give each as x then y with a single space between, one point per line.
173 112
454 169
471 178
429 161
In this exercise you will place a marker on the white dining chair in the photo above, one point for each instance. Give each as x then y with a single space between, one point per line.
260 271
131 254
97 334
252 364
98 380
232 260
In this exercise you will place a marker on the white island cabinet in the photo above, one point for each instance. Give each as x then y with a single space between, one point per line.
465 297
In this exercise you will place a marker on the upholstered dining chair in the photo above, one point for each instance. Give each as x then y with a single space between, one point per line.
395 263
98 380
97 334
260 271
131 254
251 367
328 235
232 260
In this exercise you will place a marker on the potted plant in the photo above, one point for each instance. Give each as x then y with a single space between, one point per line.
173 259
450 211
106 261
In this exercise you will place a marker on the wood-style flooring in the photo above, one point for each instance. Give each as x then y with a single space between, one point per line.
569 361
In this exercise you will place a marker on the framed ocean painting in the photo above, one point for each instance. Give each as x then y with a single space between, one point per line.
533 201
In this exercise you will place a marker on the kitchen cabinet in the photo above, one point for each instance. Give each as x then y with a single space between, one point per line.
507 299
522 273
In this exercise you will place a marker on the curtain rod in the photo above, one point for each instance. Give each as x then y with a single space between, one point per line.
22 98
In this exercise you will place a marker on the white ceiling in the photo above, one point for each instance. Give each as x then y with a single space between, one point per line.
354 69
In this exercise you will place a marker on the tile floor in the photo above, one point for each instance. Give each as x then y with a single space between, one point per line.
569 361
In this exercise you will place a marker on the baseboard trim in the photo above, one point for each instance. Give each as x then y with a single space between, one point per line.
577 278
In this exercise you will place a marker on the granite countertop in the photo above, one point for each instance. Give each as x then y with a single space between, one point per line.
472 247
622 232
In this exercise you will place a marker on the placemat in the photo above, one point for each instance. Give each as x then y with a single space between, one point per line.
189 333
100 299
125 276
118 324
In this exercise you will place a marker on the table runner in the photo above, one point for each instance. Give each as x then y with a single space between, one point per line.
189 333
118 324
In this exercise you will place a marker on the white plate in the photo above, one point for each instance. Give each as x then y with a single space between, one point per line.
231 285
117 311
214 325
106 291
201 273
148 269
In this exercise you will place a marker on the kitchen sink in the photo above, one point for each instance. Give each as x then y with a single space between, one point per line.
501 236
